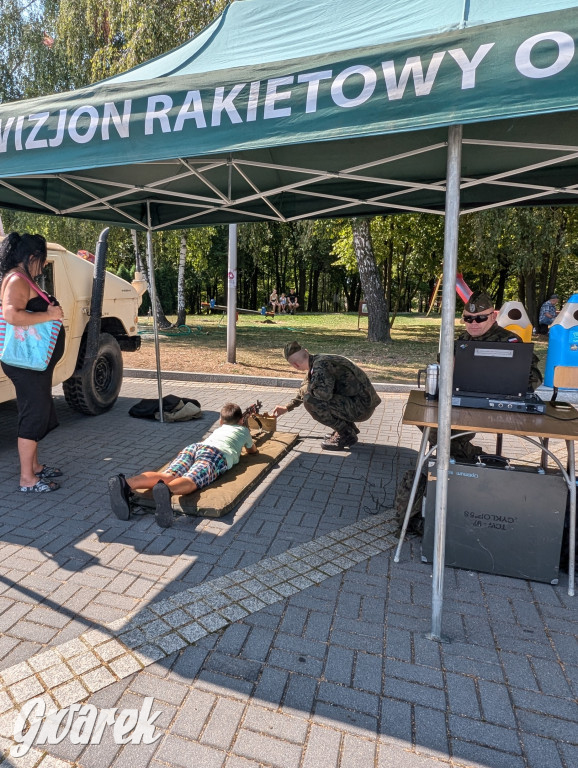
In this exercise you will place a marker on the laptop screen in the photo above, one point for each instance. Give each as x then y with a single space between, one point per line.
492 368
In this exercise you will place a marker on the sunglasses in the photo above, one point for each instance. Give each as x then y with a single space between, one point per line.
478 319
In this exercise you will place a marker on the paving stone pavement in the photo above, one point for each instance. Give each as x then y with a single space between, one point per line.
281 635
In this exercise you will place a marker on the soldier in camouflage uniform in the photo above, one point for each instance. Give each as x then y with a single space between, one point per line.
480 318
335 392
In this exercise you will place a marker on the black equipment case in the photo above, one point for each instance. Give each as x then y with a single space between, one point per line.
502 520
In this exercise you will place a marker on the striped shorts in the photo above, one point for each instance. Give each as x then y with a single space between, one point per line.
201 463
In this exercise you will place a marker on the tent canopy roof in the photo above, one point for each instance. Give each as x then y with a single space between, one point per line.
290 29
312 108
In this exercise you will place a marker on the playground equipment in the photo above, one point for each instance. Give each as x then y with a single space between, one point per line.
462 289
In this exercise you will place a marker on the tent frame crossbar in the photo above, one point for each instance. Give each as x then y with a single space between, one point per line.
199 167
261 194
34 199
97 200
199 175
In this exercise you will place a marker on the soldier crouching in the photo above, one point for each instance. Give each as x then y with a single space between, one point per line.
335 392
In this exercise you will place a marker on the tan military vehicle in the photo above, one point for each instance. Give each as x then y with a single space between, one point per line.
91 388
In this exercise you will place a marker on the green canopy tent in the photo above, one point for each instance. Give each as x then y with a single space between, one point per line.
299 109
314 108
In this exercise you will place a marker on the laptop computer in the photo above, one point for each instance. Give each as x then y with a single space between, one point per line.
494 375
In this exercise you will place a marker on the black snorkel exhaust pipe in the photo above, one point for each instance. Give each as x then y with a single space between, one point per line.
93 327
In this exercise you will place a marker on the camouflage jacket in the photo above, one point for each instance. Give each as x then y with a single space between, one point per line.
497 333
334 375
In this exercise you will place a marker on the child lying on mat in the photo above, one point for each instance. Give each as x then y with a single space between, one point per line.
196 466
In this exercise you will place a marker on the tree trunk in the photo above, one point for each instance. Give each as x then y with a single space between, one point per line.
530 291
377 310
358 294
521 290
162 321
301 283
254 288
556 256
502 278
181 314
389 276
137 258
349 284
314 297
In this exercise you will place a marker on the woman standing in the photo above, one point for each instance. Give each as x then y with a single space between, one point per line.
22 259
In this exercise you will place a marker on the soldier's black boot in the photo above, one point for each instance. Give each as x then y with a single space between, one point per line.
351 436
335 443
340 440
351 428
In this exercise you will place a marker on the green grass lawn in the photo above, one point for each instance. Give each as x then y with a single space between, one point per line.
414 344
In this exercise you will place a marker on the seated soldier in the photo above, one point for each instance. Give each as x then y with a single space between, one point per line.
479 315
335 392
196 466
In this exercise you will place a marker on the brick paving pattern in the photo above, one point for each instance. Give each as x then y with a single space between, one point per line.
335 672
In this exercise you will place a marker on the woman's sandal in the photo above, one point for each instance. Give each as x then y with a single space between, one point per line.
42 486
46 473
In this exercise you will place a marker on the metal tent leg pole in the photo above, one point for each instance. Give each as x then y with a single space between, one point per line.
418 468
232 296
153 298
452 218
572 527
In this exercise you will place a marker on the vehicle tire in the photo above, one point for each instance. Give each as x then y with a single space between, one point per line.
95 391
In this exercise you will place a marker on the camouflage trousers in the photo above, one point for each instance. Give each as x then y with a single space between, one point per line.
402 494
461 448
339 413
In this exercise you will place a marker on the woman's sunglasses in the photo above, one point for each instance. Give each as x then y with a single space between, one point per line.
477 319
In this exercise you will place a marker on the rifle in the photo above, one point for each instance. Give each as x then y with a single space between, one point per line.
252 410
265 423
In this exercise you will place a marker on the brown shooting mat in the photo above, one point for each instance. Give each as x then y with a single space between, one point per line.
231 488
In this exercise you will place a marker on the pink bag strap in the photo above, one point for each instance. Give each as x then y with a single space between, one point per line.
38 290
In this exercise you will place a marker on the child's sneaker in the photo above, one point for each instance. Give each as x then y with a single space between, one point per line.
119 493
164 511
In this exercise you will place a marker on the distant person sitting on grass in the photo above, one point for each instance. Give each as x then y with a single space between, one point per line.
292 302
196 466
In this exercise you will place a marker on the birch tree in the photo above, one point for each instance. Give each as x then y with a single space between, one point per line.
181 314
377 309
